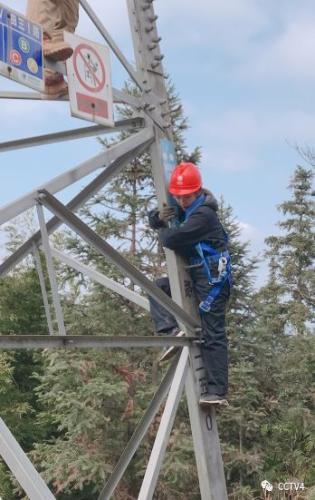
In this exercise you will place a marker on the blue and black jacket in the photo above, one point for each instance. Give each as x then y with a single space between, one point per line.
201 239
203 224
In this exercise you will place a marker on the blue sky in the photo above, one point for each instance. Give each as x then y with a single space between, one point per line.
245 71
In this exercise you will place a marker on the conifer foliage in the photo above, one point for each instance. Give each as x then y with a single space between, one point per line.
293 251
73 411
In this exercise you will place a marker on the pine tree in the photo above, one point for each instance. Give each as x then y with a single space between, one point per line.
21 312
286 362
94 406
240 312
293 254
239 424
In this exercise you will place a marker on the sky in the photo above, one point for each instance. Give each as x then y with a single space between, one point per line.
245 72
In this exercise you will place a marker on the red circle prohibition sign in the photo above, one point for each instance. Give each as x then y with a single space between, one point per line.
99 82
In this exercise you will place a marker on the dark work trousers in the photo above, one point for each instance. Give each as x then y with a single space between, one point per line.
214 349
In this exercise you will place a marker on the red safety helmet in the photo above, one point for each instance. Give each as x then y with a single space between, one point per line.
185 179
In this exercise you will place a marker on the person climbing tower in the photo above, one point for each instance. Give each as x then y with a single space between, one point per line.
202 241
55 16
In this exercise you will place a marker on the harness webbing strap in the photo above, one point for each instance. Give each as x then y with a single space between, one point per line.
208 255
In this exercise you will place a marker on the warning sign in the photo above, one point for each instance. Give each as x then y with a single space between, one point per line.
89 80
21 49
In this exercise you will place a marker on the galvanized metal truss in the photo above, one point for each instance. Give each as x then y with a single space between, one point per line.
150 125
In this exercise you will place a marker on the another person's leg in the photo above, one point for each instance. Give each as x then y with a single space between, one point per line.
55 16
68 18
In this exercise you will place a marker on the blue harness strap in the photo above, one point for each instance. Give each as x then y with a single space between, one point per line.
207 256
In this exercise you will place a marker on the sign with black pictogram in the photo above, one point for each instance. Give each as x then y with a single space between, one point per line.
89 79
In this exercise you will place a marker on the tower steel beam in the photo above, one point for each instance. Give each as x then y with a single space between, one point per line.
89 342
107 37
149 61
134 297
40 273
93 187
27 96
51 271
119 96
71 135
149 98
71 176
138 434
79 227
21 467
164 431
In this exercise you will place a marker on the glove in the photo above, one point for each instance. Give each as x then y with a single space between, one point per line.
154 219
159 218
167 213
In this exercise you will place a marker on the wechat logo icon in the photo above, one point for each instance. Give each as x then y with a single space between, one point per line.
266 486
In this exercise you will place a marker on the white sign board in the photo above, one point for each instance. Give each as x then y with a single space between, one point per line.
89 80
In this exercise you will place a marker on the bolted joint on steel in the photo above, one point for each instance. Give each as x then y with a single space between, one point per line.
146 5
41 195
176 109
156 39
159 57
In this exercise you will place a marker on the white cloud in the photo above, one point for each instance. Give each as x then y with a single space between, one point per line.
230 160
225 24
114 16
250 233
262 40
256 126
290 54
234 139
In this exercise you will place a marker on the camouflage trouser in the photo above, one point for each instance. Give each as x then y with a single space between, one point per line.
54 15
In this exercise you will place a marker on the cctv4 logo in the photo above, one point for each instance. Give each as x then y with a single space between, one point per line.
291 486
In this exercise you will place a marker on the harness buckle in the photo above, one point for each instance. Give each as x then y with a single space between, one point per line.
205 305
222 265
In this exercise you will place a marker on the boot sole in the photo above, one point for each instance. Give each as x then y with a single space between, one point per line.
54 97
58 55
217 402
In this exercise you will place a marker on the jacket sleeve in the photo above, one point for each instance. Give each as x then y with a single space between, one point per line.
191 232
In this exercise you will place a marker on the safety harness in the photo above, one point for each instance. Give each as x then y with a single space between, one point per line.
207 257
